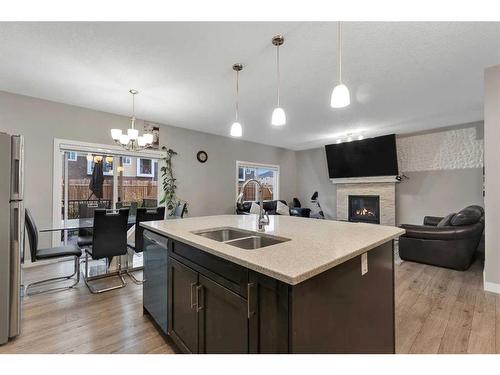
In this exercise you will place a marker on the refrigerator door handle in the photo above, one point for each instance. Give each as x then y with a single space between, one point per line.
16 247
17 168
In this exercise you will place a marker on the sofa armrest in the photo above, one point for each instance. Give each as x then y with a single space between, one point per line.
427 232
432 220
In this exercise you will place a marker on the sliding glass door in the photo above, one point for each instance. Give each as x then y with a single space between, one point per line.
93 180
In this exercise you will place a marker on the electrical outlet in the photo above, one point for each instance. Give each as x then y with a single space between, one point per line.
364 263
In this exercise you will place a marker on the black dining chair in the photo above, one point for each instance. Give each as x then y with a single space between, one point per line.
50 253
149 202
178 212
143 214
132 206
109 240
86 211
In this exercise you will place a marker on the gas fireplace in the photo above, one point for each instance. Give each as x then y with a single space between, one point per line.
364 208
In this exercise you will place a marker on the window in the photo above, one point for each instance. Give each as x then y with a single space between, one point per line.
267 175
145 168
127 160
72 156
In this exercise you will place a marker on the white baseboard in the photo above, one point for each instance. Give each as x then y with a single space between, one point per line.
491 287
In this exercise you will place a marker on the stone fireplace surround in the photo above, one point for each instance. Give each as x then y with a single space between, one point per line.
385 190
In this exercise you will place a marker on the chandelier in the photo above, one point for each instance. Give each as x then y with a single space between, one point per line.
131 140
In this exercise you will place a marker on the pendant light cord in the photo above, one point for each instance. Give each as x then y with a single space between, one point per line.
133 111
339 35
237 93
278 72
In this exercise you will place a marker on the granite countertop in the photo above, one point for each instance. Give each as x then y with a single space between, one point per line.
314 246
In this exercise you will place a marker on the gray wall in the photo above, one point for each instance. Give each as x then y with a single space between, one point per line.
492 183
209 188
312 175
437 193
433 192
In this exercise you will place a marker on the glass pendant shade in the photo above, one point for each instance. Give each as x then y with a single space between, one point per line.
116 134
141 141
279 117
148 138
133 133
340 96
124 139
236 129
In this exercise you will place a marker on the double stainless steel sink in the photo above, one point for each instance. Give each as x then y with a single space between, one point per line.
244 239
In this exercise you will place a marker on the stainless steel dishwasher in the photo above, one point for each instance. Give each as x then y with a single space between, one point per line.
155 289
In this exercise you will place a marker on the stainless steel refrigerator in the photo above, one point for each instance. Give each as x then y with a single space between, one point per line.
11 233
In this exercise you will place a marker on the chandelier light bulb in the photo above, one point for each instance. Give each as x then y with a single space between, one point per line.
133 134
124 139
148 138
236 129
141 141
116 134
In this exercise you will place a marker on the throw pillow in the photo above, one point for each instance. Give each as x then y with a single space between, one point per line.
282 209
254 208
466 217
446 221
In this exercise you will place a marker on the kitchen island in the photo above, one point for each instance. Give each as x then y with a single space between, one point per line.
215 285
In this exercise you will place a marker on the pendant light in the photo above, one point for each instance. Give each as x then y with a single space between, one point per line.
279 117
236 129
340 94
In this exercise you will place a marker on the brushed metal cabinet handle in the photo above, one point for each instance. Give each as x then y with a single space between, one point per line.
249 289
199 292
193 303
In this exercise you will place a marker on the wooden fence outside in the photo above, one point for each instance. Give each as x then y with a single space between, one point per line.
251 192
129 190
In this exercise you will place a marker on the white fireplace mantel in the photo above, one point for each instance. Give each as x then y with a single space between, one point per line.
365 180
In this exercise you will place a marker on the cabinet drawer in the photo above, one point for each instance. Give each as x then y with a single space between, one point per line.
226 273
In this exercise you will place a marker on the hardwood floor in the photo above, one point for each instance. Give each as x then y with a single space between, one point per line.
437 311
445 311
75 321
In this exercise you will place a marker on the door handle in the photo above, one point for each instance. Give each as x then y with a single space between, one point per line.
199 292
249 308
193 303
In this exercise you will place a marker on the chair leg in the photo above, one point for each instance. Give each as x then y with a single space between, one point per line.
86 279
129 271
76 272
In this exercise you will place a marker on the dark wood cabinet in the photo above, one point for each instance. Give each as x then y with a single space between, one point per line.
223 319
183 314
216 306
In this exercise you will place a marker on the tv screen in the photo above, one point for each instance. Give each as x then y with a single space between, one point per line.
365 158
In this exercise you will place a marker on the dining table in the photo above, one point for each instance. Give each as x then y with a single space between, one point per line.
76 224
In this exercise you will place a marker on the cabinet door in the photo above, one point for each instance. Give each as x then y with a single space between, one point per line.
155 278
223 319
183 317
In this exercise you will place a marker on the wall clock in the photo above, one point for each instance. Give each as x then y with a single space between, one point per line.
202 156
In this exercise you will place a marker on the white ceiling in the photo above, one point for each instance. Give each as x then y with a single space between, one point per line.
403 77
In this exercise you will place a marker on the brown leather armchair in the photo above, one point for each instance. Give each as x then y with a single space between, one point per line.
449 242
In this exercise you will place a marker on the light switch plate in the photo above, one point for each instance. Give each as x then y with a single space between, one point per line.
364 263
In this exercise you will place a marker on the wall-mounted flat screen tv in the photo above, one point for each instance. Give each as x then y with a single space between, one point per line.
365 158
